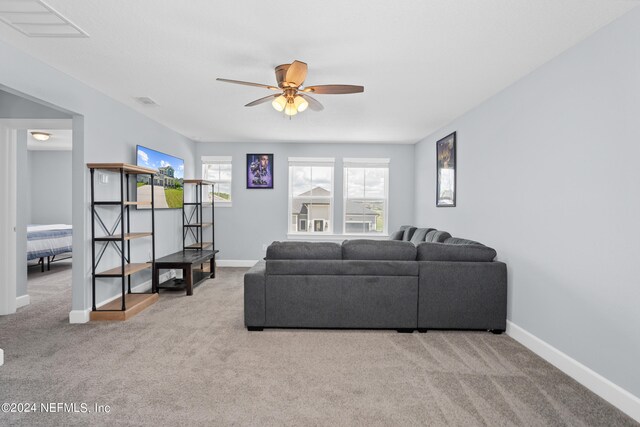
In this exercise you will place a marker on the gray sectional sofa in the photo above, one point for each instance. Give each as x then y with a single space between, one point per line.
434 281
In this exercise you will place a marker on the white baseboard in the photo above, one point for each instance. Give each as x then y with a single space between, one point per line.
612 393
79 316
22 301
236 262
82 316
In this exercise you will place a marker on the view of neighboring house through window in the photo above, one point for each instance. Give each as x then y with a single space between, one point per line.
218 170
311 195
366 195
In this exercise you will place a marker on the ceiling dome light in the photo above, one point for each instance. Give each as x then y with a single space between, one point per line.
279 103
300 103
290 109
41 136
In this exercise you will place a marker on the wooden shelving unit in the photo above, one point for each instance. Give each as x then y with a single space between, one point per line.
193 221
129 303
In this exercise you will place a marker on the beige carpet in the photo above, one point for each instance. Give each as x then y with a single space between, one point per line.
189 361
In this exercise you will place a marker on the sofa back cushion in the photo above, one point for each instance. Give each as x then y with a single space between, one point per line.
435 236
328 267
305 267
397 235
420 234
428 251
380 268
408 232
459 241
304 250
389 250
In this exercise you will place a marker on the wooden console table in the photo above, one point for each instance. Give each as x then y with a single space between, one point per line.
187 261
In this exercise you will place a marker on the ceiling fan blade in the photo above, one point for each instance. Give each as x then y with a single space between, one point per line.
313 103
296 73
333 89
238 82
262 100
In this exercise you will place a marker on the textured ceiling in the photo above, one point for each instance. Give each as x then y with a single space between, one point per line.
423 63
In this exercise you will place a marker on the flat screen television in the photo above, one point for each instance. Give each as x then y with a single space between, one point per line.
168 181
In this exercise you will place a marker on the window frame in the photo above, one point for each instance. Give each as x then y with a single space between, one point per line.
219 160
378 163
310 161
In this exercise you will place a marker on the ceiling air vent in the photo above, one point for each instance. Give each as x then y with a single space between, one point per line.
35 18
145 100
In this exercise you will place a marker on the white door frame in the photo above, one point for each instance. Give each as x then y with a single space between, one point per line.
8 186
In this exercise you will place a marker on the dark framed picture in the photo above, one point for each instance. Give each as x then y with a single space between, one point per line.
259 171
446 171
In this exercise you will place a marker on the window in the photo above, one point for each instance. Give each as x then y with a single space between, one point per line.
218 170
366 195
311 195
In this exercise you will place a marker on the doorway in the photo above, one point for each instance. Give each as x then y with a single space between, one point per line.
47 207
19 116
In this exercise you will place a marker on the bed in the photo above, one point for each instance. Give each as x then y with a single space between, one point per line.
48 242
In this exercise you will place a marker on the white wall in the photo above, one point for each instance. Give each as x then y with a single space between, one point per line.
103 131
50 187
23 210
260 217
548 175
7 218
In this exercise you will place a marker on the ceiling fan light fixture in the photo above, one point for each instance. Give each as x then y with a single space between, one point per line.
300 103
293 98
279 103
41 136
290 109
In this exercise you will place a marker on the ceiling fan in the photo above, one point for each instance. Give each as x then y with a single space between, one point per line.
292 98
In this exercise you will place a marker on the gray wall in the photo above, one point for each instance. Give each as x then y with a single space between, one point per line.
259 217
548 175
104 130
16 107
50 187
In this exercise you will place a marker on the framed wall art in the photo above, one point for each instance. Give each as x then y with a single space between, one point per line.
446 171
259 171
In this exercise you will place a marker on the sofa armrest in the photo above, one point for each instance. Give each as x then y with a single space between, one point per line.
254 295
462 295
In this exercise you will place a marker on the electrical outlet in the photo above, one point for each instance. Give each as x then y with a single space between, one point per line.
104 178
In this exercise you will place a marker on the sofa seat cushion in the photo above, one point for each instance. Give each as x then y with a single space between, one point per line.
445 252
389 250
304 250
420 234
435 236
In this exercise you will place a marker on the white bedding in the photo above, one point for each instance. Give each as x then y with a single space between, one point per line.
47 227
48 240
